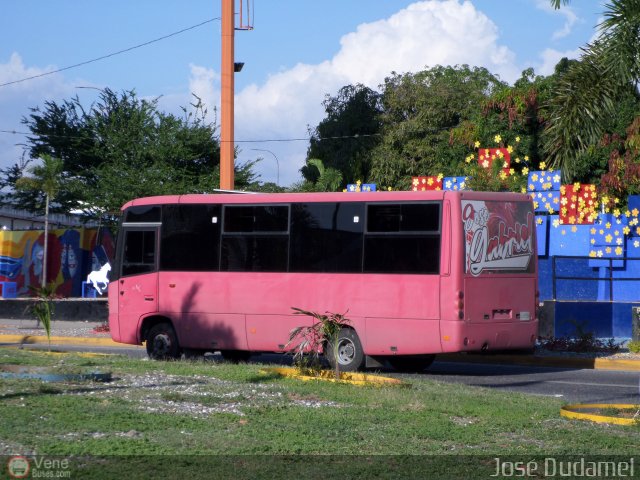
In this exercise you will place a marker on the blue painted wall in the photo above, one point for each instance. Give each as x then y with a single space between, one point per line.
609 249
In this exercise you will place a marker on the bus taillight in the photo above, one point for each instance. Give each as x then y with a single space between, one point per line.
460 305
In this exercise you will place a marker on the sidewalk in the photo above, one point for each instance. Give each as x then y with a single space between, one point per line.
78 333
63 332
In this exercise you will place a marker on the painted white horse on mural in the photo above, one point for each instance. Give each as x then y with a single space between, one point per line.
99 277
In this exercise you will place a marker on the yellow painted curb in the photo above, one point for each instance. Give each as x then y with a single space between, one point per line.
573 411
33 339
359 379
75 354
609 364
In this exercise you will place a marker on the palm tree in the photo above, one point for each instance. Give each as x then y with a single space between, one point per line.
586 94
45 178
329 179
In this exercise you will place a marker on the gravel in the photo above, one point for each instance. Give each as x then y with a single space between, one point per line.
195 396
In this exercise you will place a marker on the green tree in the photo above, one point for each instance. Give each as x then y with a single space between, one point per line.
327 180
589 92
515 114
46 179
122 147
420 112
344 139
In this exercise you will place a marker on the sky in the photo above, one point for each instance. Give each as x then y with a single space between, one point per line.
297 53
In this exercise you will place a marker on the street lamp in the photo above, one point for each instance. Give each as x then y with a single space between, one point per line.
277 162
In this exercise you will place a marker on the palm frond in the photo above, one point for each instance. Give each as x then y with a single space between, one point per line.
558 3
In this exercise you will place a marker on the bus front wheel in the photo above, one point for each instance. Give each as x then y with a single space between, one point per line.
348 354
162 342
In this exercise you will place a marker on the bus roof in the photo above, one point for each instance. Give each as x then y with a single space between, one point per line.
258 198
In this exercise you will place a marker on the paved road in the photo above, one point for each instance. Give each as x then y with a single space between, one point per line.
570 384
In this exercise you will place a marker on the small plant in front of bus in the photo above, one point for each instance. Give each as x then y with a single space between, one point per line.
306 342
42 308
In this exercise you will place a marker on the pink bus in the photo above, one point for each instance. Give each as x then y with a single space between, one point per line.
417 273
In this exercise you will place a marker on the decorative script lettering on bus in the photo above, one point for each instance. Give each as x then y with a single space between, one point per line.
498 236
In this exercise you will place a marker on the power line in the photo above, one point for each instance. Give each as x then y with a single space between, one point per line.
110 54
266 140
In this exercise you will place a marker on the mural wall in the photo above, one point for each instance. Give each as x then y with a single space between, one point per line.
72 254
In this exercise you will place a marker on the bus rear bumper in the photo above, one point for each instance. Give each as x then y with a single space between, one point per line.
460 336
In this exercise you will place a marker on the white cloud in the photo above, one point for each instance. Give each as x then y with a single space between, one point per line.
423 35
570 17
17 98
551 57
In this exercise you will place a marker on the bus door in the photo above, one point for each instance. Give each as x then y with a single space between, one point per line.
500 266
138 280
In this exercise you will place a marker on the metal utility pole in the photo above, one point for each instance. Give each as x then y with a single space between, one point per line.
227 142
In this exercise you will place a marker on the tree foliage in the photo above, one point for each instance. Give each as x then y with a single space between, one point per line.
328 179
344 138
122 147
419 112
588 94
429 122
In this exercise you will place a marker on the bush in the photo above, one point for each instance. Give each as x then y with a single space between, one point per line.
634 346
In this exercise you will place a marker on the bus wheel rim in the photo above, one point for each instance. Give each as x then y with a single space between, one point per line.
346 351
162 344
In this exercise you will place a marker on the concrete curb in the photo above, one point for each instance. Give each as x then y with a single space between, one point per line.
358 379
532 360
77 341
574 411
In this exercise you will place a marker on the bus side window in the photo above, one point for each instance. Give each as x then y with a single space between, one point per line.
255 238
325 237
403 238
139 252
190 238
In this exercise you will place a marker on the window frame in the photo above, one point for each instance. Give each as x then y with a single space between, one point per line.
402 234
254 235
128 227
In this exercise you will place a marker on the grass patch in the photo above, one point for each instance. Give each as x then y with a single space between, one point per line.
201 408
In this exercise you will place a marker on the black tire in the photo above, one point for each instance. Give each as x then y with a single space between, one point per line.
350 356
162 342
236 356
411 363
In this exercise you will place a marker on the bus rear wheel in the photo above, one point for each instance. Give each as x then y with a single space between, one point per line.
411 363
348 354
162 342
